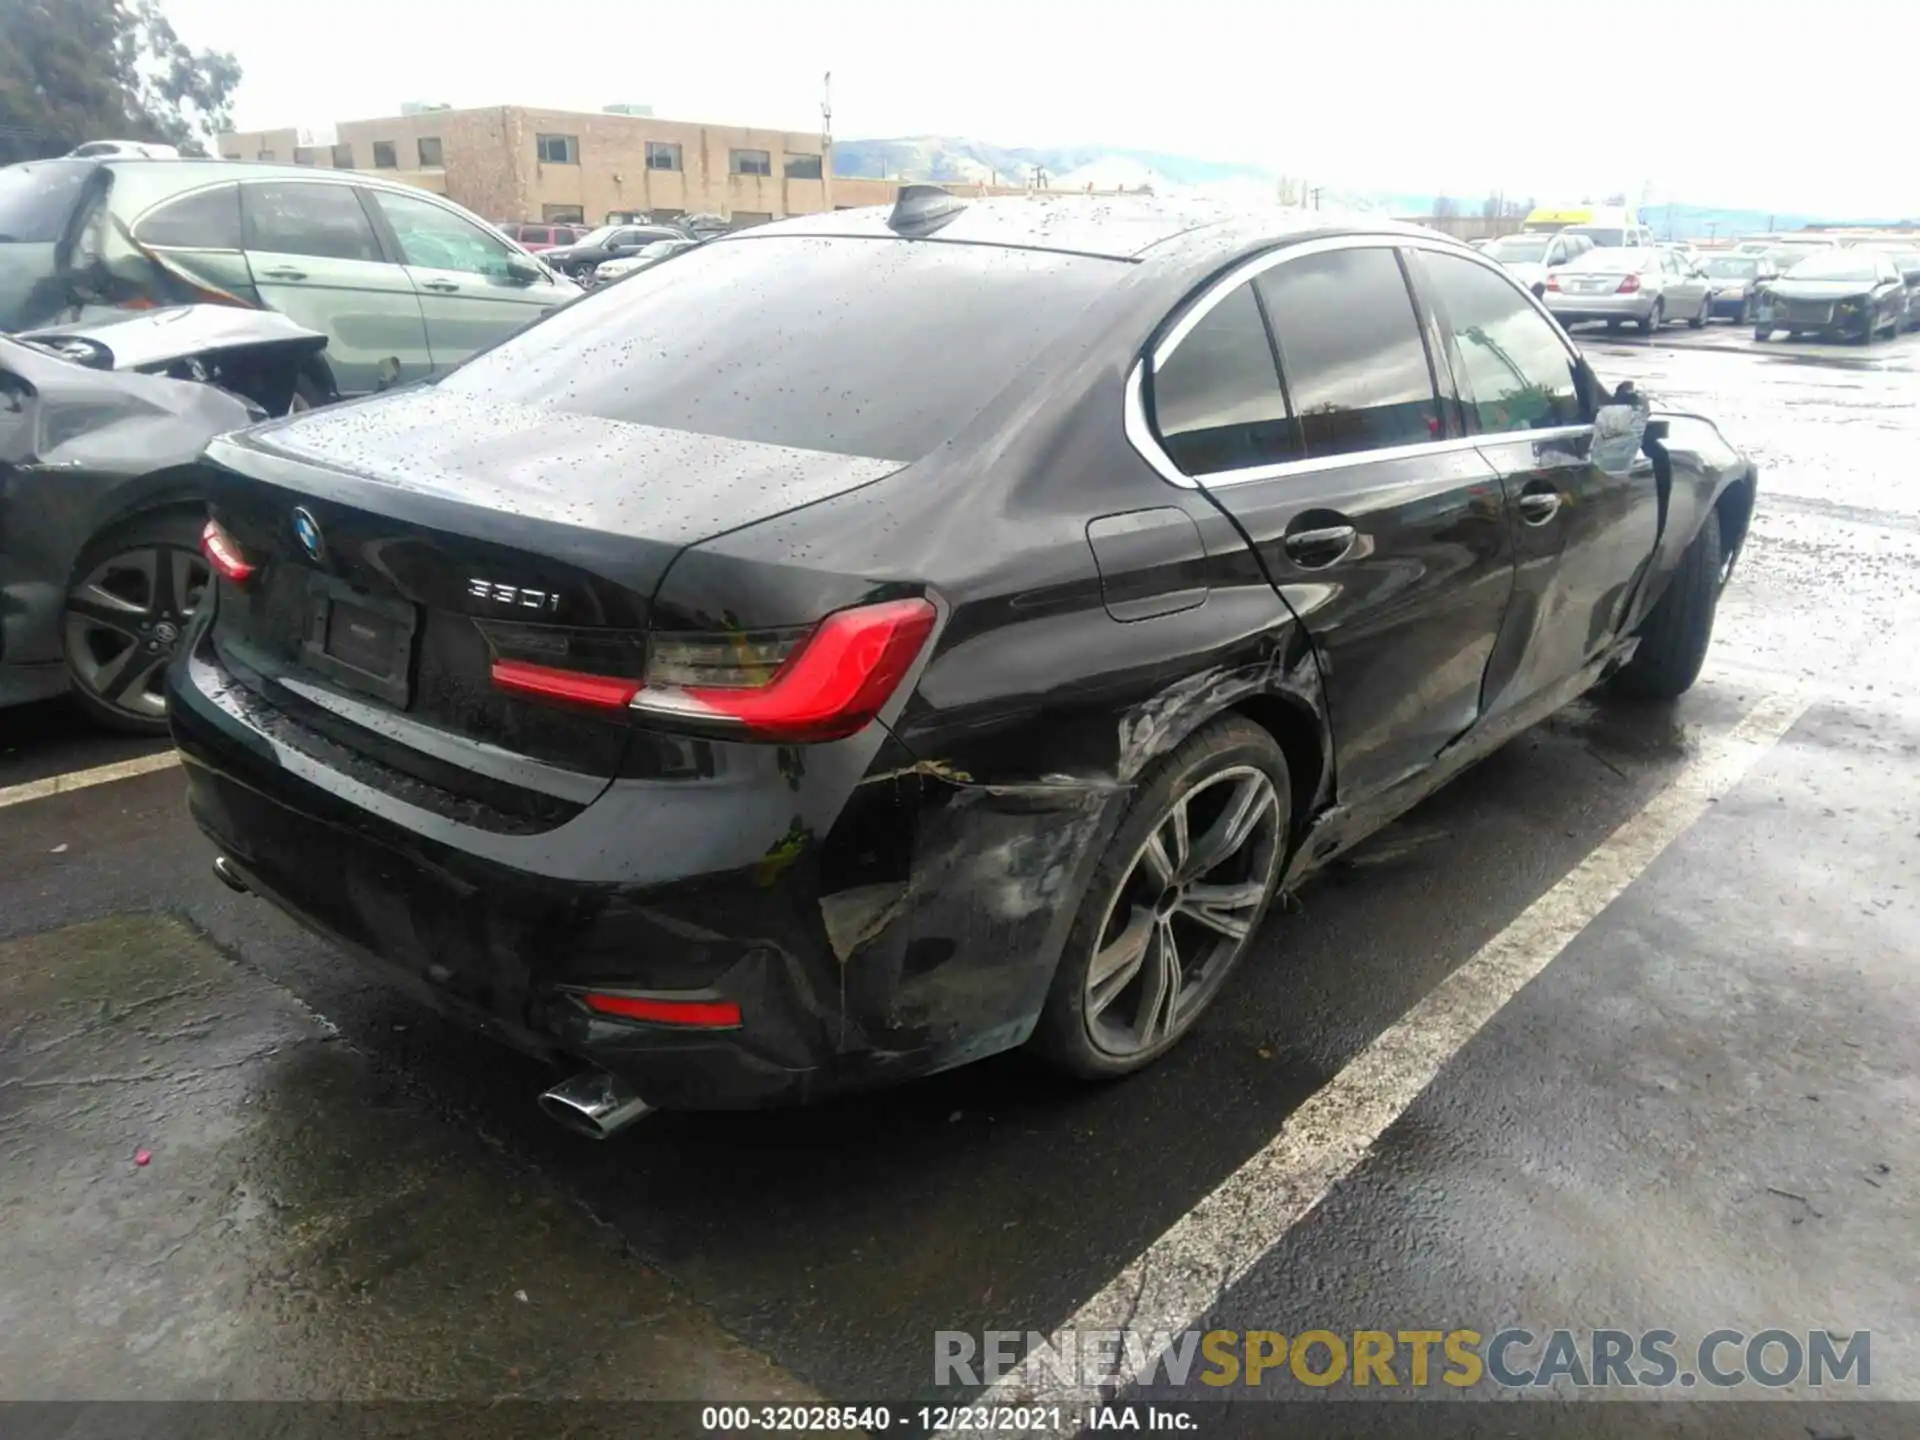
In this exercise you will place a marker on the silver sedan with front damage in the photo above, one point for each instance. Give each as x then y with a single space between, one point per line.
1643 287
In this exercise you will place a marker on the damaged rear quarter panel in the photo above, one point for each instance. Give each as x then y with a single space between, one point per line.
80 451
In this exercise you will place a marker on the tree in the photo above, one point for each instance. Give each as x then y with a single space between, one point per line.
78 70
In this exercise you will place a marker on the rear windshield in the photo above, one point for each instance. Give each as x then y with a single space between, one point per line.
1601 237
882 348
37 198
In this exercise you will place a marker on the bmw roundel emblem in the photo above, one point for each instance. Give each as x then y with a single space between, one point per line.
306 530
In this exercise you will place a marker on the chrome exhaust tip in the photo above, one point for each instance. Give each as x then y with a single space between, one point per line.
593 1103
228 875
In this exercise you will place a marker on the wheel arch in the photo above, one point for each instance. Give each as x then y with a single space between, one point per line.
1304 738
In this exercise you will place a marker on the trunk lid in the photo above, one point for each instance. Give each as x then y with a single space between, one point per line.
405 542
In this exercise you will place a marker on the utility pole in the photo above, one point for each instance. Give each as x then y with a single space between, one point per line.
826 141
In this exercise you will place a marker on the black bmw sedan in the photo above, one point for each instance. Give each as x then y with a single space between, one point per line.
1839 294
909 635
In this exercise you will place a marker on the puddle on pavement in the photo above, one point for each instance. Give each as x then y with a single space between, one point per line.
299 1228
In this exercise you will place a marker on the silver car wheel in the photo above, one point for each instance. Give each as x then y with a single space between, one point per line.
124 621
1183 911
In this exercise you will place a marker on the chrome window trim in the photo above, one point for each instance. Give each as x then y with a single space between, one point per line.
1139 429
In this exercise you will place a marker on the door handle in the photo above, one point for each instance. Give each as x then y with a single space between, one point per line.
1537 507
445 287
284 272
1316 549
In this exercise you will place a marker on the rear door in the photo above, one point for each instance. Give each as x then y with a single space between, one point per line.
314 256
1581 536
1385 531
470 297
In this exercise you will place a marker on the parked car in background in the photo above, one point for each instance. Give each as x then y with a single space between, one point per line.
649 255
1907 262
844 652
1530 256
402 283
1624 235
1737 278
100 520
1644 286
544 235
1838 294
609 242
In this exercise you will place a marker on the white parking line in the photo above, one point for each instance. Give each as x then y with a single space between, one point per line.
1180 1277
81 779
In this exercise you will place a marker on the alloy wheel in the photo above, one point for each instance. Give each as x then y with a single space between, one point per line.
124 621
1182 912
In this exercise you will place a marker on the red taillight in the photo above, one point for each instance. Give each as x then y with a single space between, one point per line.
829 684
1629 285
1553 281
700 1014
224 554
545 682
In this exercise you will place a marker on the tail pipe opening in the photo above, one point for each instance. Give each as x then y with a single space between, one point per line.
228 875
594 1103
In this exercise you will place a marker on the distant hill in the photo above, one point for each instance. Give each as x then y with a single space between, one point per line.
954 158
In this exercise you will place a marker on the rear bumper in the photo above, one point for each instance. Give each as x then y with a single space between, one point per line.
1571 308
843 980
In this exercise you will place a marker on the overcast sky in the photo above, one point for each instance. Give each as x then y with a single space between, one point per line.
1551 99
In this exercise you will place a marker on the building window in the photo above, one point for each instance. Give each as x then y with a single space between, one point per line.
264 155
663 155
744 218
803 167
557 149
432 157
383 156
303 155
668 214
566 214
228 155
752 162
343 157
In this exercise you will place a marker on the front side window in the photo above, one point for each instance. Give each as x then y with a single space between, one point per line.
1217 402
384 157
752 162
557 149
1515 374
205 220
1350 349
663 155
434 238
307 218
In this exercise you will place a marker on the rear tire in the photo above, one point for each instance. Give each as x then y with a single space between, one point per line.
1103 1019
1656 317
1675 637
129 602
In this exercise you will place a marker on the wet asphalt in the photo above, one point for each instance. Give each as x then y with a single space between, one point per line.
1703 1113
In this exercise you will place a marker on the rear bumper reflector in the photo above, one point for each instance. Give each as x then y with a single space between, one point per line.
697 1014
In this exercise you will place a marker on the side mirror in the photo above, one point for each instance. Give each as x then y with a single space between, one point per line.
523 271
1619 429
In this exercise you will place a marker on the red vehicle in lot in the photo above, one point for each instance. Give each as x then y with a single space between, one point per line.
543 236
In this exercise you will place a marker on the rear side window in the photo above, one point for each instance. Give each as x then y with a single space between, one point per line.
307 218
205 220
880 348
1515 374
37 200
1350 349
1217 402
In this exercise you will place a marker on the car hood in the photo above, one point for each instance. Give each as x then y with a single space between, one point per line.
553 466
1819 289
558 254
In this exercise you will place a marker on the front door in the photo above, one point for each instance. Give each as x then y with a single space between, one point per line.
314 257
1385 531
469 294
1581 535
